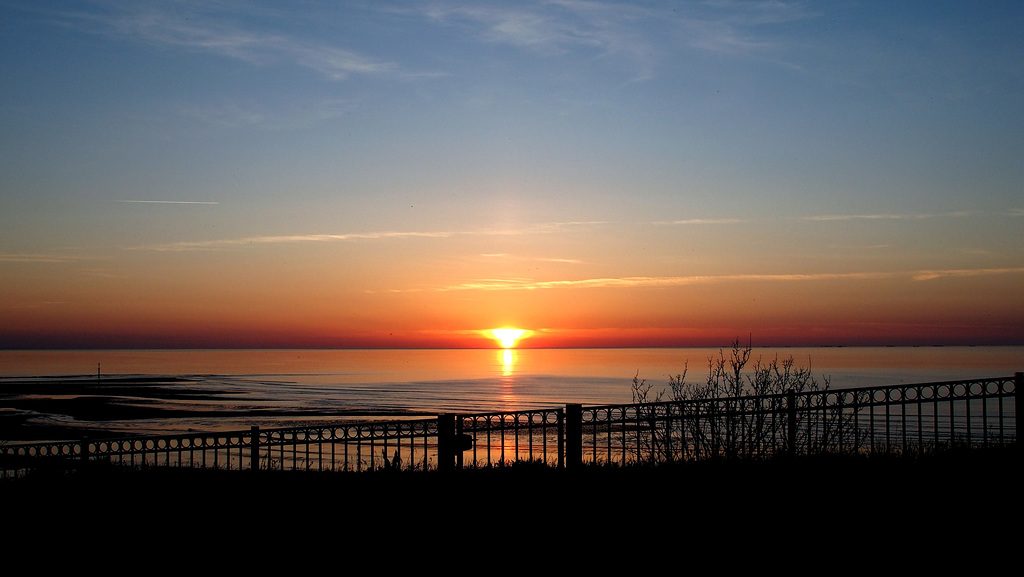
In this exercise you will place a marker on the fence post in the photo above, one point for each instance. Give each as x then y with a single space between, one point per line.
560 425
1018 380
573 449
254 448
791 422
445 439
458 450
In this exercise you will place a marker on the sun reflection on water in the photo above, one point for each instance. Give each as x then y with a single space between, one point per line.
507 360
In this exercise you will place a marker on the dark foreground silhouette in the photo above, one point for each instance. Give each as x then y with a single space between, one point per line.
976 488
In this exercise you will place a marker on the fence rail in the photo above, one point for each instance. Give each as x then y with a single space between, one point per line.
913 417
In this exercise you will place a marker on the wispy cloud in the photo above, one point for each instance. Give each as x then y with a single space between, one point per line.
934 274
523 25
543 228
559 27
243 112
36 257
888 216
633 33
208 28
704 221
541 259
285 239
736 28
648 281
721 37
169 201
827 218
508 284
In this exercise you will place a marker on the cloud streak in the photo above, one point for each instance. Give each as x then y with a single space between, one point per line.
242 112
925 275
562 260
560 27
287 239
731 27
698 221
543 228
541 259
169 201
887 216
648 281
830 218
207 30
510 284
623 30
36 257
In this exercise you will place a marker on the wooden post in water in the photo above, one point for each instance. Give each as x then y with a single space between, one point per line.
254 448
573 449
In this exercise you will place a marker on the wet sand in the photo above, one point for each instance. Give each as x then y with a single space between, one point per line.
70 408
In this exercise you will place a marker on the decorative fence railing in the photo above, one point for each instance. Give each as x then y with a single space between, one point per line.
894 418
518 436
913 417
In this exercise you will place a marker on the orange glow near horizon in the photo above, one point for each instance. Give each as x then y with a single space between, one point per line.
231 218
508 336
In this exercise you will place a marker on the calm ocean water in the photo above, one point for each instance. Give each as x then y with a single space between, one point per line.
474 380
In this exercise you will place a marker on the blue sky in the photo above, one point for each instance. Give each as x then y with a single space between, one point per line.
411 147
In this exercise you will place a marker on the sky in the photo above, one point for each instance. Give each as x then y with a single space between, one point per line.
411 174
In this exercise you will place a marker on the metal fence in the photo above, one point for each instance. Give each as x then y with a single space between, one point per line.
899 418
508 437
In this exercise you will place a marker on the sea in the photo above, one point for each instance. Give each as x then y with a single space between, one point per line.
406 383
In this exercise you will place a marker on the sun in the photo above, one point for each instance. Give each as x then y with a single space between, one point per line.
508 337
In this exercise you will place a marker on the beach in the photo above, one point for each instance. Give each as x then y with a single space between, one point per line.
117 406
46 395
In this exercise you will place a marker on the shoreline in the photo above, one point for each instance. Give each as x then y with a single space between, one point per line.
272 393
72 408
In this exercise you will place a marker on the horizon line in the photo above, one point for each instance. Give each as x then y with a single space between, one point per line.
518 348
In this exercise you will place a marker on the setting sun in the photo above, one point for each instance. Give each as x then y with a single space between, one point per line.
508 337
